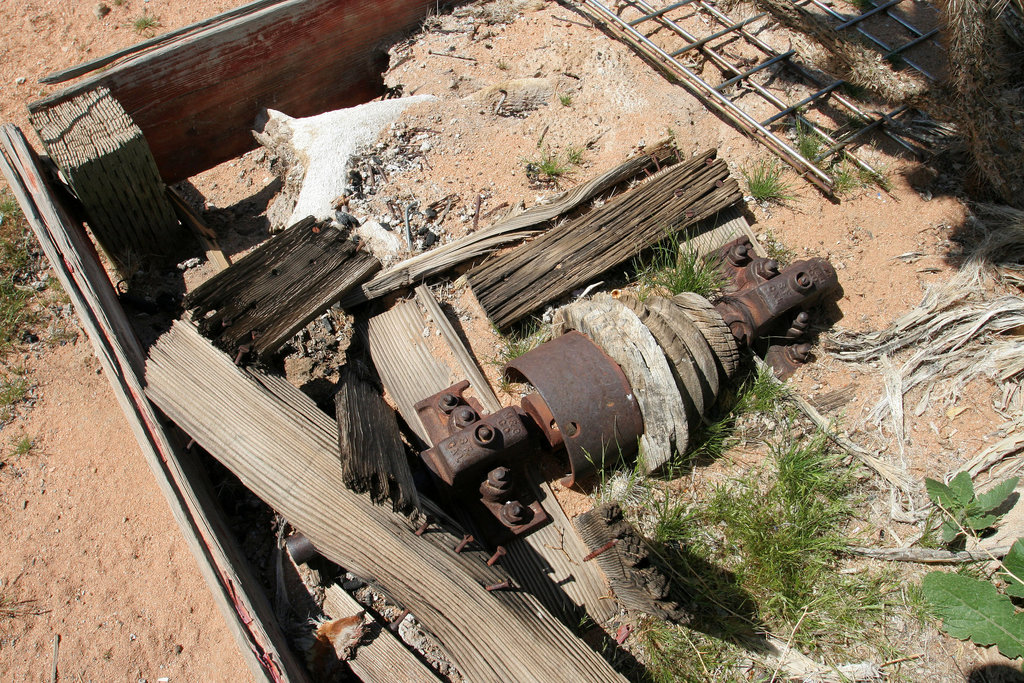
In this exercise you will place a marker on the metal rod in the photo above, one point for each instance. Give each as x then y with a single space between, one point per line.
836 96
719 34
807 100
721 103
763 65
870 13
877 41
652 15
912 43
844 141
727 66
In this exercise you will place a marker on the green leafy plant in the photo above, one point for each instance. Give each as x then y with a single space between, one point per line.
565 99
13 389
973 609
967 512
765 183
549 166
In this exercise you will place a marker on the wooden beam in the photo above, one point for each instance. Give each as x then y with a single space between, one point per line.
512 229
373 458
223 565
279 287
107 162
280 448
511 286
196 97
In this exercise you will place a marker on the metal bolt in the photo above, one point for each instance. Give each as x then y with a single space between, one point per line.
464 417
499 552
484 434
499 586
739 255
398 621
466 540
499 477
603 549
447 403
766 269
513 512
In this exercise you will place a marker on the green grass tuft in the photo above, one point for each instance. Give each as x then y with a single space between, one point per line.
808 143
146 24
565 99
765 183
503 65
673 267
23 446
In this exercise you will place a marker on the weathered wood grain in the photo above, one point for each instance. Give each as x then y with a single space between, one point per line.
512 285
105 158
283 456
196 97
236 590
279 287
548 562
373 458
519 226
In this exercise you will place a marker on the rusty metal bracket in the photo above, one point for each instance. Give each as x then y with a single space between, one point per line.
585 404
479 458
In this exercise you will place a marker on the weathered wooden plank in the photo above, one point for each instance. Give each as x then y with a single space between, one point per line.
407 368
549 561
470 370
381 656
510 286
519 226
373 458
105 158
281 455
221 562
196 97
279 287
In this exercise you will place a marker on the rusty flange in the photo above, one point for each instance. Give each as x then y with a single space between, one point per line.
590 405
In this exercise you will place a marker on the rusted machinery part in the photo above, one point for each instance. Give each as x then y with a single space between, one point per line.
758 312
784 359
637 583
714 329
686 373
587 403
622 336
740 265
704 358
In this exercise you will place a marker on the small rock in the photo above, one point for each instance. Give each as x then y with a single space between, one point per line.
429 240
29 337
19 80
425 147
102 10
189 264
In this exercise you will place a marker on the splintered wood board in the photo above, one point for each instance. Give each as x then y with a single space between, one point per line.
280 446
549 561
511 285
235 588
279 287
105 158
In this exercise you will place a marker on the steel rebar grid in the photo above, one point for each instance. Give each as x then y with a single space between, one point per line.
870 13
877 41
910 27
719 102
785 109
806 74
718 34
660 12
